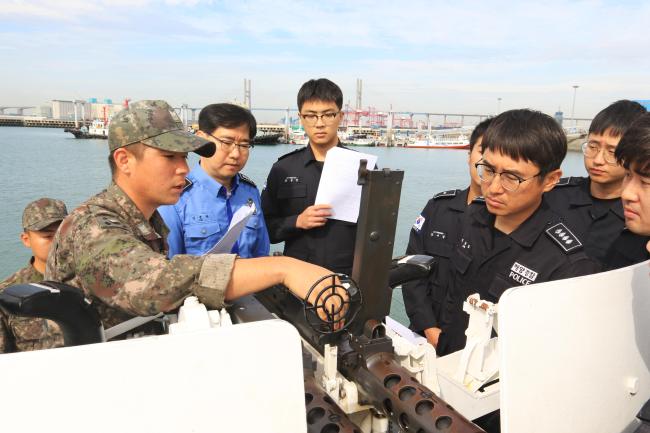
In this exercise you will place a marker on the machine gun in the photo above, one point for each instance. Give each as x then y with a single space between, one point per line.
353 380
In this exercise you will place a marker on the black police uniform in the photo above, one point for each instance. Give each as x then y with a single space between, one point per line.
628 249
597 222
487 261
434 233
290 188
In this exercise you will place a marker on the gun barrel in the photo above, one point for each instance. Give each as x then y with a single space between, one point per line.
323 415
413 406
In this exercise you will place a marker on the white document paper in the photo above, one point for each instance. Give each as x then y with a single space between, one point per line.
237 224
338 183
403 331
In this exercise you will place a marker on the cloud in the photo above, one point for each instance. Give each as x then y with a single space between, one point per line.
415 54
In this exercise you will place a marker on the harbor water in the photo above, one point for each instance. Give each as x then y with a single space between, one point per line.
40 162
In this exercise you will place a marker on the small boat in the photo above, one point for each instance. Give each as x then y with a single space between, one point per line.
358 140
298 136
440 141
97 129
264 139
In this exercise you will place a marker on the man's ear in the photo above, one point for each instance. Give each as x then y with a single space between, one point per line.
551 179
202 134
122 158
24 237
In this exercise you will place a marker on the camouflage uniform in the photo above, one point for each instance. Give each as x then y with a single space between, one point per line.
26 333
107 248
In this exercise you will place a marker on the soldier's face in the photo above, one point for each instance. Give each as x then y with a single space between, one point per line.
229 158
600 171
475 156
322 131
157 177
39 242
522 202
636 201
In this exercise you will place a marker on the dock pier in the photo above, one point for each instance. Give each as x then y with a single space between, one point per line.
35 122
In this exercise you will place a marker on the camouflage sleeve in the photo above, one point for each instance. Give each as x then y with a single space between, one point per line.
5 336
124 272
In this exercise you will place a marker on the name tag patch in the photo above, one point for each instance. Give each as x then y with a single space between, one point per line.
522 274
200 217
419 221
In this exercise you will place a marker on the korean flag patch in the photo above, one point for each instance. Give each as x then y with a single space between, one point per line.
419 221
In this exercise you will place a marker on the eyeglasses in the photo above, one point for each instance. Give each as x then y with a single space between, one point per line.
228 146
591 150
327 118
509 181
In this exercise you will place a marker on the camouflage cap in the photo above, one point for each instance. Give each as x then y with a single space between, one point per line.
155 124
43 212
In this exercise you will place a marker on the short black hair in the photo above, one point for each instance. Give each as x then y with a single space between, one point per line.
529 135
616 118
634 147
137 149
321 90
225 115
478 132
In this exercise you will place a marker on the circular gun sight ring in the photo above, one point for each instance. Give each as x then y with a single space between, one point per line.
334 306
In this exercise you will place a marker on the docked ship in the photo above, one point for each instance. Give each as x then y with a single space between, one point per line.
97 129
264 139
298 136
357 140
450 139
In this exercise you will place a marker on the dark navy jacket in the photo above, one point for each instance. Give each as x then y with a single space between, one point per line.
290 188
628 249
596 222
434 233
487 261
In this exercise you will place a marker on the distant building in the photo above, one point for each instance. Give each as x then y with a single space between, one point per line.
97 110
88 110
559 117
44 111
62 109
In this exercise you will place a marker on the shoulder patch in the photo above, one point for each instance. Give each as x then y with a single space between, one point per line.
188 184
108 222
569 181
446 194
246 179
563 237
292 152
419 221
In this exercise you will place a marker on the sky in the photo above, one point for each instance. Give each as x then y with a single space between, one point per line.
430 56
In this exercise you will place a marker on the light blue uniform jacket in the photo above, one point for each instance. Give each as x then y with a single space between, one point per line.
202 216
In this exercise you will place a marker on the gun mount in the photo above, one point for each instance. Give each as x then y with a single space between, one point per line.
63 304
356 369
